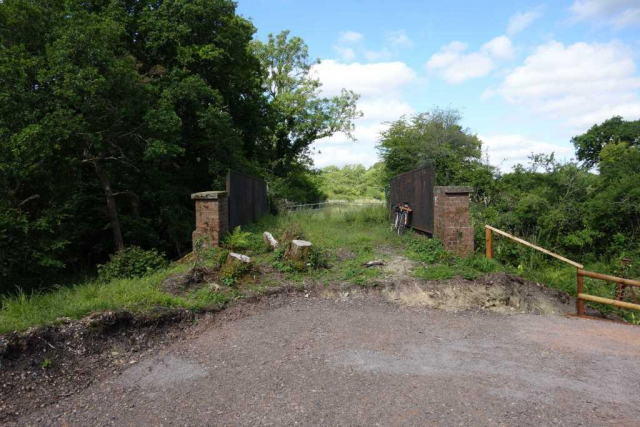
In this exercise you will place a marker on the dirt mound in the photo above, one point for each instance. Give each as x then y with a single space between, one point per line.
181 283
42 365
499 292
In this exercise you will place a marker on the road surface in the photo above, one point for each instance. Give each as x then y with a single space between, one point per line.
313 361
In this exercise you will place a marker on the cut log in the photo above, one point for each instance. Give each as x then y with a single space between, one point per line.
235 259
373 263
270 241
299 250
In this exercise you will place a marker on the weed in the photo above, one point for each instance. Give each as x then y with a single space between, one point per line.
231 272
238 240
435 272
422 248
46 364
131 262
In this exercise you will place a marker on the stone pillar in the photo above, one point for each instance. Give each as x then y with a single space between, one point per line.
212 216
452 220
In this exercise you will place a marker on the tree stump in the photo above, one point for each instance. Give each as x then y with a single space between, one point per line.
270 241
299 250
235 259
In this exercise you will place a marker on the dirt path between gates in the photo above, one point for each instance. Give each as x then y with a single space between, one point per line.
290 360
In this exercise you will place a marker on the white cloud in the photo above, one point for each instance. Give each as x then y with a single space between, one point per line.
394 42
619 13
347 37
340 156
382 109
498 48
380 85
456 66
346 53
399 39
521 20
366 79
580 84
347 42
506 151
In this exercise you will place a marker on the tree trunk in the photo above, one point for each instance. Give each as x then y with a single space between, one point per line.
111 205
299 250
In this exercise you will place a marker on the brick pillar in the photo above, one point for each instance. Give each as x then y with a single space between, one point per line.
212 216
452 220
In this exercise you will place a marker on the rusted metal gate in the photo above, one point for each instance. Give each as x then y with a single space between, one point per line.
247 198
416 187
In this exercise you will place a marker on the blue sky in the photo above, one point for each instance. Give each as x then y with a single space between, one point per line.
526 76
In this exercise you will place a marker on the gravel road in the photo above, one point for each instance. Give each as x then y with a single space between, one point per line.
312 361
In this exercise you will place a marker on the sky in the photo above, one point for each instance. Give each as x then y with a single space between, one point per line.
526 76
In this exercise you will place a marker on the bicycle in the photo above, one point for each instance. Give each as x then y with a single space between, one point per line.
401 222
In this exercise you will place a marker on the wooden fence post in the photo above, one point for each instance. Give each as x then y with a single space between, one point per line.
488 242
580 290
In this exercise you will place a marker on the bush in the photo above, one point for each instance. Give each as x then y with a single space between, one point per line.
231 273
429 250
238 240
131 262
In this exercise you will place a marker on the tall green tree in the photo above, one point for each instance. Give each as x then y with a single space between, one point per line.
436 138
298 114
111 113
612 131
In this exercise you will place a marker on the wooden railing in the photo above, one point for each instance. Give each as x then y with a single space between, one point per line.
580 273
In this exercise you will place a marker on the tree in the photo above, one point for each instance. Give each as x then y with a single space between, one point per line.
297 113
111 114
435 137
612 131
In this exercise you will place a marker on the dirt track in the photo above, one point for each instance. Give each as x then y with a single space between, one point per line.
367 362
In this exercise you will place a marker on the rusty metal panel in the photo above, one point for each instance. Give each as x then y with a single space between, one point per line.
416 187
247 198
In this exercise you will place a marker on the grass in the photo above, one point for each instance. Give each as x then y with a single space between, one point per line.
139 295
349 237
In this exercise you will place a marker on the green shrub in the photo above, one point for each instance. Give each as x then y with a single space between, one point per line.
422 248
231 273
221 257
131 262
238 240
318 258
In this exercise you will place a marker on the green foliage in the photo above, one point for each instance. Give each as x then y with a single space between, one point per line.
297 114
46 364
368 215
435 138
353 182
230 273
132 107
299 186
435 272
424 249
131 262
613 131
238 240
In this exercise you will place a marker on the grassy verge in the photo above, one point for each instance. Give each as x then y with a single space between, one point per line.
139 295
338 231
346 237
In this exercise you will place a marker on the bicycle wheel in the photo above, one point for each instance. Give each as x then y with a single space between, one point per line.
401 226
396 223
